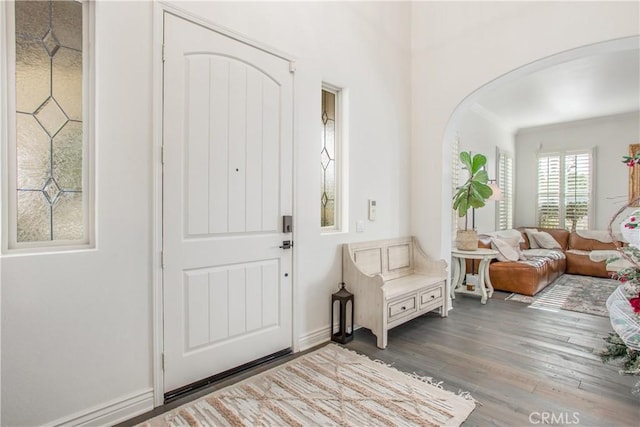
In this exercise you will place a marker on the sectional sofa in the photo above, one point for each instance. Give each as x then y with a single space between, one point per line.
538 267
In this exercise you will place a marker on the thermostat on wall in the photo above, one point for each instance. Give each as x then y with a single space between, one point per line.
372 210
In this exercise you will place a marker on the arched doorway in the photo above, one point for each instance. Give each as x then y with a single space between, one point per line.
473 99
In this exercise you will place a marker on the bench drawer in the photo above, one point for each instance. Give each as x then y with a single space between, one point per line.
402 308
431 295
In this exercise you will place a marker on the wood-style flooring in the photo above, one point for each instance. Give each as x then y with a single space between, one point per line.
520 364
524 366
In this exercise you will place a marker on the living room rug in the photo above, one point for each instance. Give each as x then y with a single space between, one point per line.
329 386
570 292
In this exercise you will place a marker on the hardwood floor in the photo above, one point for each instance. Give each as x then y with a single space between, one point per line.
520 364
516 362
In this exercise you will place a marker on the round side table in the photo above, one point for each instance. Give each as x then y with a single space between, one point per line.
459 269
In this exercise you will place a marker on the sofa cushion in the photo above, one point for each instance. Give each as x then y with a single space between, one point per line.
543 253
523 277
560 235
529 233
578 252
545 240
578 242
603 255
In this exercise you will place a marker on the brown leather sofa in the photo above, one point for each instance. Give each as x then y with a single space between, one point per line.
578 261
530 276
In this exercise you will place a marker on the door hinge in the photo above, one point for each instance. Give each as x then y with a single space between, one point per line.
162 155
162 361
163 55
292 67
162 259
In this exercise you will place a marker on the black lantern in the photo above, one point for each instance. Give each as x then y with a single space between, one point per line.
343 297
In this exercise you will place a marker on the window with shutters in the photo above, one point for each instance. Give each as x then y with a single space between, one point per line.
504 207
564 190
455 181
48 121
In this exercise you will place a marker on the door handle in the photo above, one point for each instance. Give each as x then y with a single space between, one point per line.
286 244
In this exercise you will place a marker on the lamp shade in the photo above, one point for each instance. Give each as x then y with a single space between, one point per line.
497 192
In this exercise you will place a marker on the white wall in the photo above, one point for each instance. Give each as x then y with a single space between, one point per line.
481 134
77 327
459 47
609 136
363 47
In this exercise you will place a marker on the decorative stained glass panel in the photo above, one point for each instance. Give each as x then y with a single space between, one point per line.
49 137
328 160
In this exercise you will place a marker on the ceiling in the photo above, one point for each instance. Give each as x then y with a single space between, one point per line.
592 86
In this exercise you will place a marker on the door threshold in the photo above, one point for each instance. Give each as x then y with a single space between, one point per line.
206 382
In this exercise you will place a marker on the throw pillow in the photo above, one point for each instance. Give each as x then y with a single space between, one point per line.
546 241
532 241
508 249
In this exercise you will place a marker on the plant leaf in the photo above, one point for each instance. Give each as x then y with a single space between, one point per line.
456 203
465 158
482 176
462 207
476 203
482 191
479 160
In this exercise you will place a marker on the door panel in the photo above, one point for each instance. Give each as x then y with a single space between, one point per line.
227 301
226 184
230 101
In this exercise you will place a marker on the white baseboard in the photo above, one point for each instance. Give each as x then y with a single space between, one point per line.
314 338
110 413
317 337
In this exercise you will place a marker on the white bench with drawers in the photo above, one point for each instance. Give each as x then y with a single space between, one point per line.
393 281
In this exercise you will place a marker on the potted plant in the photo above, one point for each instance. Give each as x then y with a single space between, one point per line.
471 195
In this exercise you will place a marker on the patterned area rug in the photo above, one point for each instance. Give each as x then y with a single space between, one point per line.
330 386
570 292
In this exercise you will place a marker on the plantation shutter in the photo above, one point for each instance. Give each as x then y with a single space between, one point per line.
549 191
455 178
564 190
505 182
577 184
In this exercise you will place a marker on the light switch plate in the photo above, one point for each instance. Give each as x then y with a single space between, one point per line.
359 226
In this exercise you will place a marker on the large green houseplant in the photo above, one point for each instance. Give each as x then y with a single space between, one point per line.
471 195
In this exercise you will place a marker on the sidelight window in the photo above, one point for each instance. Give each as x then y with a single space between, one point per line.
329 160
48 142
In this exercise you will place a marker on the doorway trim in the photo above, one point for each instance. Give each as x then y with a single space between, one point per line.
159 10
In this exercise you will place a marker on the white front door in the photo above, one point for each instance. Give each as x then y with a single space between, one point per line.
227 182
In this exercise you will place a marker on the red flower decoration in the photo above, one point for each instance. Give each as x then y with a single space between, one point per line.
635 303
